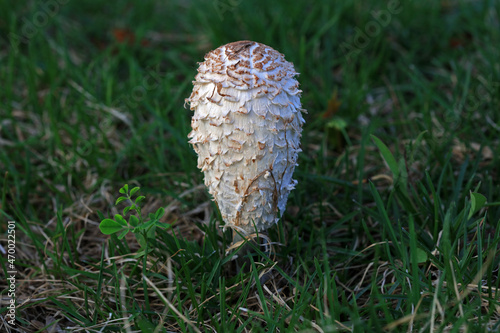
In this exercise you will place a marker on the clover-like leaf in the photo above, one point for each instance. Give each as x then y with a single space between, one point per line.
159 213
134 190
120 199
124 189
109 226
134 221
421 256
164 225
477 201
123 233
145 225
139 199
120 220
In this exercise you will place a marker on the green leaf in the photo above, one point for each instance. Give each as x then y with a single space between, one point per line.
120 199
477 202
109 226
140 239
159 213
134 221
124 232
151 232
421 256
145 225
134 190
126 210
120 220
387 156
164 225
139 199
124 189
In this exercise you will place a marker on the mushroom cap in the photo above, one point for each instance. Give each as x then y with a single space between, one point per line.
247 125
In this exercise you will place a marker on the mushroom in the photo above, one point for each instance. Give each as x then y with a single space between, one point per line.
247 125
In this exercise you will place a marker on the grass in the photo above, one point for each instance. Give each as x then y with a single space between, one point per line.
386 231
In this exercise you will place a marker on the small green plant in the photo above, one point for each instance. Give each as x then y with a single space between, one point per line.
143 229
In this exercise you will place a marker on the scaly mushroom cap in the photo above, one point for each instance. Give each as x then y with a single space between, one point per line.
247 125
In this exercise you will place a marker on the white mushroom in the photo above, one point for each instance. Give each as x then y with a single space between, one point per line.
247 125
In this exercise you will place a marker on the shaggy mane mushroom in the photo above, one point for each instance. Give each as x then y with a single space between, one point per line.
247 125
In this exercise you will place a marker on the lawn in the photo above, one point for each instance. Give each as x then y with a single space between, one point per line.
394 223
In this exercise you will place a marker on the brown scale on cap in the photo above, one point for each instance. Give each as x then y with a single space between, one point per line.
238 61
